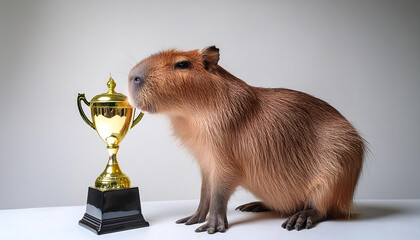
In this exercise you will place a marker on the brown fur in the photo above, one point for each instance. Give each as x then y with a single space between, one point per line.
291 150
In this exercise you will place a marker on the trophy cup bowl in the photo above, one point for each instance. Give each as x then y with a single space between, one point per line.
112 205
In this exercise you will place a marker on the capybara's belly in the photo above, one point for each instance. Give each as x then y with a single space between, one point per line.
274 191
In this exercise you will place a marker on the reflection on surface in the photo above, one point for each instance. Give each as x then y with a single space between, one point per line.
112 123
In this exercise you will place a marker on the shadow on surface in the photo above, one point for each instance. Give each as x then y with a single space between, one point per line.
257 217
366 211
361 211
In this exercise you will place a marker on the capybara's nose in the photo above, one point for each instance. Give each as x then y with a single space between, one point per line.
137 80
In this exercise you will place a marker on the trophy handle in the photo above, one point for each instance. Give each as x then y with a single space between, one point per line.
137 120
80 97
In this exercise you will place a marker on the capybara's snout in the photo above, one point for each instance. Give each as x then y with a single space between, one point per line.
136 80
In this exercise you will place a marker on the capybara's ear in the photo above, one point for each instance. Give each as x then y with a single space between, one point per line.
210 57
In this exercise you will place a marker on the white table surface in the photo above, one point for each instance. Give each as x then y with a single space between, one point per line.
381 219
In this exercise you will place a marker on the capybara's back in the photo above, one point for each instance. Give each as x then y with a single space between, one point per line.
300 153
293 151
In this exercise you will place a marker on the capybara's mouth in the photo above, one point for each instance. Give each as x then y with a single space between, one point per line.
140 104
146 107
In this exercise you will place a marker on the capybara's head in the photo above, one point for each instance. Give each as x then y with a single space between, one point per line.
172 79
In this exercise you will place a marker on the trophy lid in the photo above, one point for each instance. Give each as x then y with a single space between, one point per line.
110 96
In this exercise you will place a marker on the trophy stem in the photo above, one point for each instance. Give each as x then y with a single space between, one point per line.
112 151
112 177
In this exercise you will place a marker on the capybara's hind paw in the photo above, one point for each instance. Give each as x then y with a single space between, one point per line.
302 219
193 219
214 225
253 207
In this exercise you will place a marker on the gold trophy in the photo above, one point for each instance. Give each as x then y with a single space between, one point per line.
112 205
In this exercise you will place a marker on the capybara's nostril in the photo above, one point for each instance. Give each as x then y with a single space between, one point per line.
138 80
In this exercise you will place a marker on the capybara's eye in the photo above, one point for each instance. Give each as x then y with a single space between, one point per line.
182 65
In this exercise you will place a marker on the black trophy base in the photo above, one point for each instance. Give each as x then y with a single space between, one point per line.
113 210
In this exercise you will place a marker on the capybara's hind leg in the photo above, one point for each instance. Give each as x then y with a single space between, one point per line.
253 207
302 219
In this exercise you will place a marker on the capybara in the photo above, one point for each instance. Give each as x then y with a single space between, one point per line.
294 152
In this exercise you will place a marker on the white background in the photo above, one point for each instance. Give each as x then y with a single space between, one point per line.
363 57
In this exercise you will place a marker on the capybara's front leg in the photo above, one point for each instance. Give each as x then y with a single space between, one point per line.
220 194
203 207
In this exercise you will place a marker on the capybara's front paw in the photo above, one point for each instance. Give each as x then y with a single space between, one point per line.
214 225
302 219
193 219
